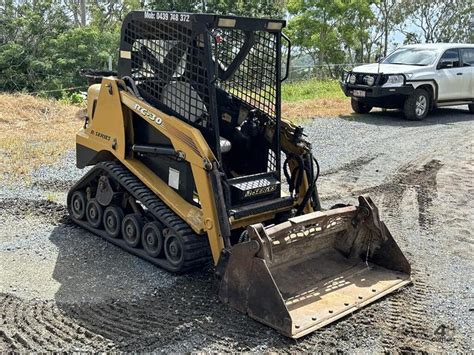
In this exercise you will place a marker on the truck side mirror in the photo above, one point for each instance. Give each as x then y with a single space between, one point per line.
445 63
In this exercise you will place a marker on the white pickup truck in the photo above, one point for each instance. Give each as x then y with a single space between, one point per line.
415 78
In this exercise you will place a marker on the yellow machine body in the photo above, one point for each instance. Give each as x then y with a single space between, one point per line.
164 187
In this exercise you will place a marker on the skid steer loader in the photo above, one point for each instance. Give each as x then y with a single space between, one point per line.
190 157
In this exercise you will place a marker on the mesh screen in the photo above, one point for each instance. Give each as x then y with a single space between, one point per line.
254 81
272 160
170 62
167 64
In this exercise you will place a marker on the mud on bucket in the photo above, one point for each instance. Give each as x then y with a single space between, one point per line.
311 270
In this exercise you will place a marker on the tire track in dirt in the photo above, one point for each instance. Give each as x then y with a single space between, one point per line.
38 326
52 316
408 323
352 167
422 180
405 323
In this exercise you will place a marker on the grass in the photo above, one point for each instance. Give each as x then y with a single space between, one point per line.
313 98
34 132
52 197
311 89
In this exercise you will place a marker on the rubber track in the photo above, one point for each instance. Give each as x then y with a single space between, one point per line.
196 247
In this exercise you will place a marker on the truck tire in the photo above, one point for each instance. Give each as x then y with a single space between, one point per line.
417 106
471 108
360 106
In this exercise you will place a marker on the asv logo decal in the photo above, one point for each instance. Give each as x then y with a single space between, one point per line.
148 114
260 191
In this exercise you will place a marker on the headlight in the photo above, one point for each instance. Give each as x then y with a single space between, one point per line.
395 80
352 79
369 80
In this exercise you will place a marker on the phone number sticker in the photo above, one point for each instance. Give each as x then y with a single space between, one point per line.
166 16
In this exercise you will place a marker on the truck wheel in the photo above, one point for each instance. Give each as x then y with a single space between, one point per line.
471 108
417 106
360 106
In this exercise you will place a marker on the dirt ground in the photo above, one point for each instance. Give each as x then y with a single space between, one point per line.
63 288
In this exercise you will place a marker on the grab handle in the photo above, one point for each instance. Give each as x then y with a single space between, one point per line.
288 57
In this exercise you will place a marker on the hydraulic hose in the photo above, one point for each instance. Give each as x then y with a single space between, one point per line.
309 193
295 178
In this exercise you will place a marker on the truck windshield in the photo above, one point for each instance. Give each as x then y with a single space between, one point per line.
411 56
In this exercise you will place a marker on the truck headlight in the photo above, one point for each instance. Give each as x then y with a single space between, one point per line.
369 80
395 80
352 79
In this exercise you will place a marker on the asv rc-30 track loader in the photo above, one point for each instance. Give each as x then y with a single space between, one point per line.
189 155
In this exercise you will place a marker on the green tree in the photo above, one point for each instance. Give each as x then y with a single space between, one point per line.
24 47
108 14
330 31
434 21
174 5
91 49
41 48
388 11
254 8
229 7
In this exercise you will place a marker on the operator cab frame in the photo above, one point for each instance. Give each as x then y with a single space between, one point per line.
220 74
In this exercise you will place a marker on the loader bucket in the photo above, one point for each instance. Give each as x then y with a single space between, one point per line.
311 270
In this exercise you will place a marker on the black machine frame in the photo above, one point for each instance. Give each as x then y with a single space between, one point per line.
252 74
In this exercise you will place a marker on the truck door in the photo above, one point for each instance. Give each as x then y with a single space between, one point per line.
467 72
449 82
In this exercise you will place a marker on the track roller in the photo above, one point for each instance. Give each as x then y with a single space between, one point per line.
132 225
113 217
174 248
152 238
78 204
94 213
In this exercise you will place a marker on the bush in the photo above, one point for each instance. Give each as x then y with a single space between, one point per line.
74 98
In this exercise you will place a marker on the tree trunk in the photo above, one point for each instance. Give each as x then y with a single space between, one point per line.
83 13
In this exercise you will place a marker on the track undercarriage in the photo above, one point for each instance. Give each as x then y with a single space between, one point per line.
112 203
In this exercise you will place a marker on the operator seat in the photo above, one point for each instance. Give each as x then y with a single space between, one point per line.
181 97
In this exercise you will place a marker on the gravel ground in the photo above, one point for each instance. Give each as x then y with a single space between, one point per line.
63 288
